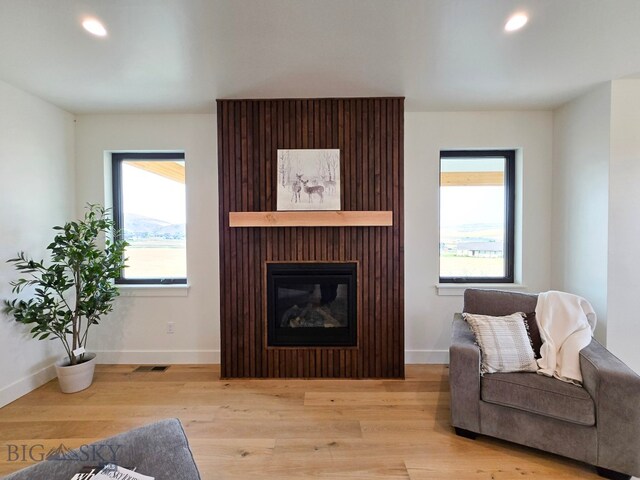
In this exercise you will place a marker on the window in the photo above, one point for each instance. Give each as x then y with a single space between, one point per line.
149 211
477 199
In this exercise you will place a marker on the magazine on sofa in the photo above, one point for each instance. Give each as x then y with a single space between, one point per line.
87 473
109 472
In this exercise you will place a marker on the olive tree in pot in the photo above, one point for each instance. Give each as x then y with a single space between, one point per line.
72 292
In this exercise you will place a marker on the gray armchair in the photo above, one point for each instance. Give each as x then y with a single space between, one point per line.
160 450
598 424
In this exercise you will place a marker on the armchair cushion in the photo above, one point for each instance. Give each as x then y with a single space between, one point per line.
539 394
504 343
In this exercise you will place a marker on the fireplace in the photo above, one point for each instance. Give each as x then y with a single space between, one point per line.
311 304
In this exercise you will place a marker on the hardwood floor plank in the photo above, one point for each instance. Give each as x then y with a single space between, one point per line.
225 428
373 398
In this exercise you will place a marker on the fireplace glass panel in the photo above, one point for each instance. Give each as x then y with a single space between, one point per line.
311 304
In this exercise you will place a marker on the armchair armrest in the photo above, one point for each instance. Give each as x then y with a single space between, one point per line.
464 376
615 390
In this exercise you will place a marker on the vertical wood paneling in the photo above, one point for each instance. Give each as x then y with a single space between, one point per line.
369 134
223 187
233 203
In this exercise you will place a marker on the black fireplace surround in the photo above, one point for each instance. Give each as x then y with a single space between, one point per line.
311 304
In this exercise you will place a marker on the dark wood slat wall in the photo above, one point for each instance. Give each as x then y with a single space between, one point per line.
370 135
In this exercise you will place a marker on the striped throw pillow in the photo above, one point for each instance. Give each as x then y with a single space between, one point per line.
504 343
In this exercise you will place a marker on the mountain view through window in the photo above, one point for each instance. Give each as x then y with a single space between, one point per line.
154 218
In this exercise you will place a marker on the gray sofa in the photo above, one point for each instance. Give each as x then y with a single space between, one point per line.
598 424
159 450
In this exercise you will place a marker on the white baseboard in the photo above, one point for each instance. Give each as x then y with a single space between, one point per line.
426 356
27 384
148 357
145 357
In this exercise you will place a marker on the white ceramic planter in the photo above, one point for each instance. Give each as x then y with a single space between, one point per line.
74 378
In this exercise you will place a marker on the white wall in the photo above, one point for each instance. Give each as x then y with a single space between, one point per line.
580 199
428 315
37 175
623 329
135 332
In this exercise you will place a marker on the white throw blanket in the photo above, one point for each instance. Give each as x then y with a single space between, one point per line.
566 324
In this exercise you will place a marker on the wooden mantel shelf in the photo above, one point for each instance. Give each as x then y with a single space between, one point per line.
312 219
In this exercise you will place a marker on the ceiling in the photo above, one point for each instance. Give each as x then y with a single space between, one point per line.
180 55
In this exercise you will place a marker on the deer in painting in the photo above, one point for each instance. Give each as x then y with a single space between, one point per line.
317 189
296 187
329 184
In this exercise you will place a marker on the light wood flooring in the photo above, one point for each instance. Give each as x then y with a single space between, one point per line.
282 429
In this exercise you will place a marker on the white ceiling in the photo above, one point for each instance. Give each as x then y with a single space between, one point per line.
180 55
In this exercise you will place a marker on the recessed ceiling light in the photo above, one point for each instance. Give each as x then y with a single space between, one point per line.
95 27
516 22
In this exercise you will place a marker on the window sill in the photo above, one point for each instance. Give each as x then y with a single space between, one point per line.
457 289
154 290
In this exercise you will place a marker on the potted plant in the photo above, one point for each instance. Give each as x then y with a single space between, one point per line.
72 292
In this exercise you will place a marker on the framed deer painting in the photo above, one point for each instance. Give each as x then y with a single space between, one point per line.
309 179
